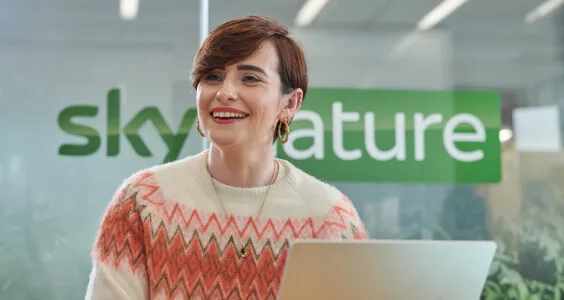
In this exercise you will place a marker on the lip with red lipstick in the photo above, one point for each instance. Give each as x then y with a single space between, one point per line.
227 115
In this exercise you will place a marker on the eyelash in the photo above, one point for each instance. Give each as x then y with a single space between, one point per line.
254 79
246 78
209 77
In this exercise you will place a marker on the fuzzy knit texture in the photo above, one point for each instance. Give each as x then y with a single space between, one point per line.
165 235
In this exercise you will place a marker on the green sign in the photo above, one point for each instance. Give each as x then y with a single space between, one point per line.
342 135
397 136
174 141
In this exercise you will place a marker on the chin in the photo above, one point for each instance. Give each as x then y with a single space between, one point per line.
224 141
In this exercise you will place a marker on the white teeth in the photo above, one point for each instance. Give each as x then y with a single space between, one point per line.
222 114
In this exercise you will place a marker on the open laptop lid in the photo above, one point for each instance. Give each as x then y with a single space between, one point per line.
387 270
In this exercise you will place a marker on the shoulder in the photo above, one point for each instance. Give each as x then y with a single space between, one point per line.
317 192
153 182
184 170
330 203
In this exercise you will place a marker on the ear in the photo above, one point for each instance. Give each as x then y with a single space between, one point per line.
293 104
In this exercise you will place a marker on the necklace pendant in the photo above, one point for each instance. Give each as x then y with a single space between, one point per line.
243 252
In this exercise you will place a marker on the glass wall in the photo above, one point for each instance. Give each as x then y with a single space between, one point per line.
62 57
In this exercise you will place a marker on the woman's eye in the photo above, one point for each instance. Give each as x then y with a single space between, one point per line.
250 78
212 77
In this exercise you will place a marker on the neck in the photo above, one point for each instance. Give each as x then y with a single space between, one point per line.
242 168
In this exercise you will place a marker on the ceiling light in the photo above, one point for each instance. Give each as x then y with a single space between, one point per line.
404 44
542 10
439 13
128 9
309 12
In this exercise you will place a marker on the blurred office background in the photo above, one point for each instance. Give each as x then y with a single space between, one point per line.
58 53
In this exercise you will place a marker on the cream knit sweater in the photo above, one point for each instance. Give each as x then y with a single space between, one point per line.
165 235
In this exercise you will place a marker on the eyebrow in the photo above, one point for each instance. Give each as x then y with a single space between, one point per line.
251 68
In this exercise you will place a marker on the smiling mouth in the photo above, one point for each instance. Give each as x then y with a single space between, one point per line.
228 115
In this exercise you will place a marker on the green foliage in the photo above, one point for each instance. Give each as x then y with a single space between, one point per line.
507 282
530 262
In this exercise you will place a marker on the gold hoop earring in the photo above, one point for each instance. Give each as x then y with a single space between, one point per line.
199 129
286 132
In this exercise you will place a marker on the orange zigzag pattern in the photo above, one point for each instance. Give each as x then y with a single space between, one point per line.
201 268
120 237
341 212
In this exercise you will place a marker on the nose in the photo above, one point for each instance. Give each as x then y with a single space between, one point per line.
227 91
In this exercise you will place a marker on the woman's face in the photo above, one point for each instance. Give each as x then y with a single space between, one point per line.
242 103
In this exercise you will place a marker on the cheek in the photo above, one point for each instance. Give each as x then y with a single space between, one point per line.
267 111
203 98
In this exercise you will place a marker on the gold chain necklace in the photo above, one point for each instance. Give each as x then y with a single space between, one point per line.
244 251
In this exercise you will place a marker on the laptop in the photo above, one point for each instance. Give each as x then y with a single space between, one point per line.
386 270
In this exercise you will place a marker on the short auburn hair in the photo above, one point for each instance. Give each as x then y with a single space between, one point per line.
235 40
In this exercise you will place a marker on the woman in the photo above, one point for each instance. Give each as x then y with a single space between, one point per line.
217 225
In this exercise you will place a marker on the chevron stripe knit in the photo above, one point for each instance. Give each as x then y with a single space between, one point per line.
165 236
